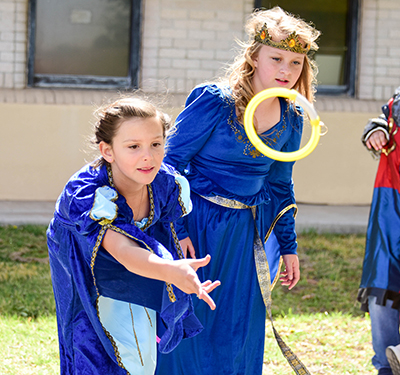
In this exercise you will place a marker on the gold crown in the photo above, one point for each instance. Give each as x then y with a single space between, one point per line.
291 43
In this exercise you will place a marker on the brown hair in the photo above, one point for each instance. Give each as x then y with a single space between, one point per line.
280 24
110 116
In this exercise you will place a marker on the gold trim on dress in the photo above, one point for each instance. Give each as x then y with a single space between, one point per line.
134 333
269 139
264 280
99 240
184 212
263 273
391 148
92 262
176 241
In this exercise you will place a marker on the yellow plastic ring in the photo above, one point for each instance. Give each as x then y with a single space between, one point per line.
260 145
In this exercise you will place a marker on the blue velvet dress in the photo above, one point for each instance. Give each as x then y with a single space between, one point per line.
212 150
106 315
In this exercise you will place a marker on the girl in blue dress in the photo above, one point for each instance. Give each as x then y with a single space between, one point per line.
114 254
235 190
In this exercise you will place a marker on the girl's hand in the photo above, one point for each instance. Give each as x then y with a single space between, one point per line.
184 277
186 245
376 140
181 273
291 275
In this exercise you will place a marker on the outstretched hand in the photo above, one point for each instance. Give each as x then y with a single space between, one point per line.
186 279
291 275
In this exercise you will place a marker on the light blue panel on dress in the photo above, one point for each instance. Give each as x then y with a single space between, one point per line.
185 193
116 317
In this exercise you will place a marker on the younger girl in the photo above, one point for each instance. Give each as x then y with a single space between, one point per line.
108 241
241 198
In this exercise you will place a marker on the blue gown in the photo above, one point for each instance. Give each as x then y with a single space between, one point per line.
106 315
212 150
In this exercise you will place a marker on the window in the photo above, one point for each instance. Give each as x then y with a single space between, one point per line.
336 58
85 44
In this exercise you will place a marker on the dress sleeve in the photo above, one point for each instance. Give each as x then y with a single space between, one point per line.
74 206
194 125
282 189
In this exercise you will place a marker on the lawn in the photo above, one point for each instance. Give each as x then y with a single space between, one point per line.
319 319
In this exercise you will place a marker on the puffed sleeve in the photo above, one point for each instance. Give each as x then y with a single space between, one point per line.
194 125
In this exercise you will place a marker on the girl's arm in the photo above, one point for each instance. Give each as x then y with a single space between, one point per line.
181 273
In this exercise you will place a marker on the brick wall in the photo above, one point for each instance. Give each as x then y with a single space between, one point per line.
186 42
379 53
13 40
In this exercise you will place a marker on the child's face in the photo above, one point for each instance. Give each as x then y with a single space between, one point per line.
136 154
276 68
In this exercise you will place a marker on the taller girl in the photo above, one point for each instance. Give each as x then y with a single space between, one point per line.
235 189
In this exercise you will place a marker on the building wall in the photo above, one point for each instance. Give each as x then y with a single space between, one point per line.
379 52
13 42
184 43
187 42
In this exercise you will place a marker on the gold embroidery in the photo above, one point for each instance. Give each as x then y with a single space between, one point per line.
264 281
387 151
92 262
136 339
225 202
270 140
176 241
151 214
105 222
171 294
184 212
148 316
263 273
110 175
151 198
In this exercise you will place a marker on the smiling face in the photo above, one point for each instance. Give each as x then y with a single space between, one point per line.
136 153
275 67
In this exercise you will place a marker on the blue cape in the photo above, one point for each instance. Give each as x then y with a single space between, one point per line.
82 271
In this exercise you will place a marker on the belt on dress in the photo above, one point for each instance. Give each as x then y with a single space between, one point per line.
263 273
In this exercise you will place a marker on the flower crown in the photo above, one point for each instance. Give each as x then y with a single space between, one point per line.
291 43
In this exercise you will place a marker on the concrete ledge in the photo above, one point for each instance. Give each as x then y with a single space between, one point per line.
321 218
332 219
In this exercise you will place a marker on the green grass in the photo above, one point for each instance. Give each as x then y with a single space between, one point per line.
330 267
28 346
319 319
25 285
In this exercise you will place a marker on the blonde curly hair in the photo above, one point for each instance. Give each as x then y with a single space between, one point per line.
280 25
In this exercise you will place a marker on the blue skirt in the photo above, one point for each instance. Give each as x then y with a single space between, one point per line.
232 341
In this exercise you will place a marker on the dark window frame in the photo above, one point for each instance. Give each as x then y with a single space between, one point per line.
351 57
88 81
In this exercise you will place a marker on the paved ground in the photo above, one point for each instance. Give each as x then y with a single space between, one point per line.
322 218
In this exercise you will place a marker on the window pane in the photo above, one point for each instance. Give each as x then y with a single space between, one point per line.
330 17
76 37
